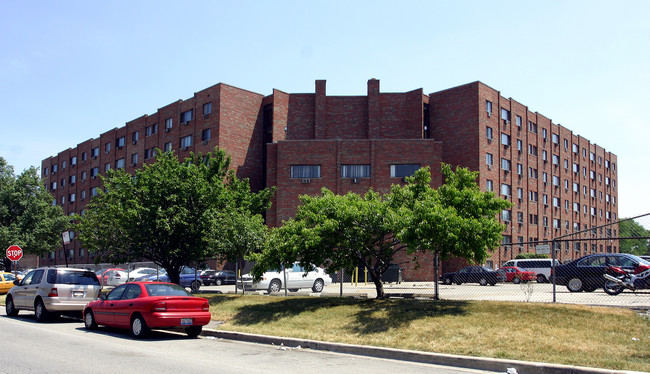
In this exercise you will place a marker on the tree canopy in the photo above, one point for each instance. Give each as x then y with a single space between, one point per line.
637 241
27 216
343 232
173 213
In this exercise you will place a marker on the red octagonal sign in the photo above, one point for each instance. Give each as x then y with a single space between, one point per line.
14 253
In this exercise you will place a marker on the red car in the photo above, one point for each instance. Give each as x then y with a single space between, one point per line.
104 274
515 274
142 306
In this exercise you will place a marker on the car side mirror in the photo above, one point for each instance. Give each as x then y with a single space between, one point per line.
102 297
16 282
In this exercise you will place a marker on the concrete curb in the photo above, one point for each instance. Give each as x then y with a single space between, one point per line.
478 363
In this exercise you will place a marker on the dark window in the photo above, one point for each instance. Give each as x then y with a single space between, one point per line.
404 170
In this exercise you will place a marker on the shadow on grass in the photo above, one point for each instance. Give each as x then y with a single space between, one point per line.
366 316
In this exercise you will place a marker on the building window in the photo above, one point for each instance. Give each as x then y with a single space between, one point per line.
120 142
149 153
150 130
520 169
83 175
506 215
107 147
73 161
532 127
505 115
94 153
506 190
404 170
519 121
107 167
53 186
520 145
532 173
520 193
355 171
119 164
532 149
94 172
566 144
168 124
207 108
72 197
505 164
533 219
575 148
73 180
84 156
488 159
544 135
488 133
83 195
556 160
305 171
205 135
134 159
45 171
520 217
556 180
187 116
505 140
186 141
489 185
93 191
134 137
167 147
533 196
555 138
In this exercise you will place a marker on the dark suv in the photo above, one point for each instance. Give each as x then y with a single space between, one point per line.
50 291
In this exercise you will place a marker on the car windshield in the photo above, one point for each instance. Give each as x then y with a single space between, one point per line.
9 277
166 289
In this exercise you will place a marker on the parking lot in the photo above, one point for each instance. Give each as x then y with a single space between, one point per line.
525 292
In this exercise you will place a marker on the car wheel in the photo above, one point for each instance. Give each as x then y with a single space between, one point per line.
541 278
459 283
195 286
218 282
275 286
10 308
574 285
447 281
611 288
89 320
139 327
318 285
483 282
40 312
516 280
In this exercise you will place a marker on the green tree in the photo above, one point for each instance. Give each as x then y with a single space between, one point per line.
170 212
336 232
637 237
27 216
457 219
240 233
343 232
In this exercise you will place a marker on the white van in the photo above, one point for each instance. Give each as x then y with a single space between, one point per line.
541 267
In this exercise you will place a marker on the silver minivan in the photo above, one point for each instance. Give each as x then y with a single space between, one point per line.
541 267
50 291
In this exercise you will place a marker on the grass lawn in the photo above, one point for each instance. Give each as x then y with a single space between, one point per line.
565 334
601 337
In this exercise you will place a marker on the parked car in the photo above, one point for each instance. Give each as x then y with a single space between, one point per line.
104 274
482 275
219 277
541 266
297 277
49 291
515 275
586 273
6 282
142 306
188 278
117 277
140 272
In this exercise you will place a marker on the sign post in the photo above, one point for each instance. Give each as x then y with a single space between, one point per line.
14 253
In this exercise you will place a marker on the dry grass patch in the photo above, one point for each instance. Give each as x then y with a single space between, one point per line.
564 334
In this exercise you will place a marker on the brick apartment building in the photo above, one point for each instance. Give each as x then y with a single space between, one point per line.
559 182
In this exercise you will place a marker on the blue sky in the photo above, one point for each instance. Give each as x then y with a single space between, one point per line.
71 70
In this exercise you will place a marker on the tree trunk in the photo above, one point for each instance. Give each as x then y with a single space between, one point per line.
174 275
379 285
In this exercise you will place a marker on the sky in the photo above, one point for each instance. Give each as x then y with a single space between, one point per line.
72 70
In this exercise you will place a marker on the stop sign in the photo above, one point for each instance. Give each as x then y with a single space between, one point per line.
14 253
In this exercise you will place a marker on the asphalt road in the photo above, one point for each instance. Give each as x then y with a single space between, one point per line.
66 346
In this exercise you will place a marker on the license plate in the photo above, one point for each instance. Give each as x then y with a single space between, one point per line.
77 294
186 321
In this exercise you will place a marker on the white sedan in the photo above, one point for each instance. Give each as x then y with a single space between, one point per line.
296 278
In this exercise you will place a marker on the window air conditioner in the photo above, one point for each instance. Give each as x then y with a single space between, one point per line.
305 180
355 180
185 148
167 129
